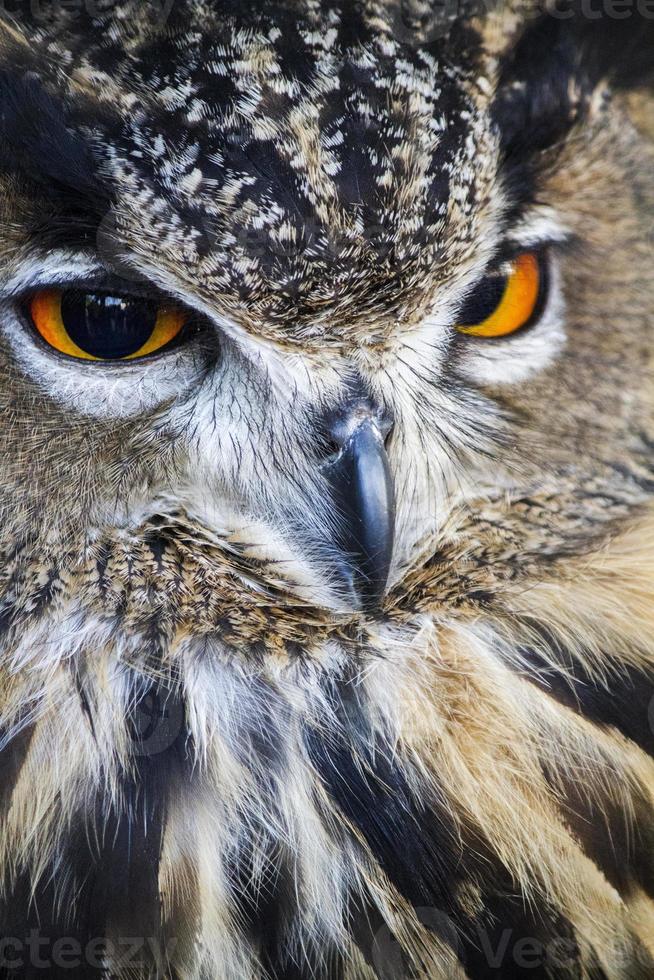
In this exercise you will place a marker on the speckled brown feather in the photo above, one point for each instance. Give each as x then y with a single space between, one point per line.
272 784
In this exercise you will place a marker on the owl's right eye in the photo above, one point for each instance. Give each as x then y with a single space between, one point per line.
504 304
98 326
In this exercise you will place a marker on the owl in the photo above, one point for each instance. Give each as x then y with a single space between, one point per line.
327 490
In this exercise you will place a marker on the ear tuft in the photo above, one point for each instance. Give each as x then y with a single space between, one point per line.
615 40
559 61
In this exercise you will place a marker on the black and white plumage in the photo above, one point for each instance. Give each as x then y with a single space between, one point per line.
240 738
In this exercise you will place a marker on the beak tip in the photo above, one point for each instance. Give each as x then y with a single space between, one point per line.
360 591
363 491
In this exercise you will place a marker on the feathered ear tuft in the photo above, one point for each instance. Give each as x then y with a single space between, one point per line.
563 56
36 140
615 40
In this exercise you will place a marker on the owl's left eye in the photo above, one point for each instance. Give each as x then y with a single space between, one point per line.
502 304
97 326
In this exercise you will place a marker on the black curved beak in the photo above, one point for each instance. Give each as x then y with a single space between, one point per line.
363 492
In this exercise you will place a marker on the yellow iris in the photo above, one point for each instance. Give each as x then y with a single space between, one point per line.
518 302
45 309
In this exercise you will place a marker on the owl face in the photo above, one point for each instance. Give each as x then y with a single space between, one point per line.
333 302
325 489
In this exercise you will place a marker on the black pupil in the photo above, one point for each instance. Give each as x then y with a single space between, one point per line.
109 327
483 301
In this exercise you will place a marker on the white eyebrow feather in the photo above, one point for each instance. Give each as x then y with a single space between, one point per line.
53 267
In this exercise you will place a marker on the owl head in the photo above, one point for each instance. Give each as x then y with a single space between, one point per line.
325 330
319 292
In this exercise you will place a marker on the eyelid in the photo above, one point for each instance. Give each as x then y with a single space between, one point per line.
62 269
540 226
107 285
59 270
509 251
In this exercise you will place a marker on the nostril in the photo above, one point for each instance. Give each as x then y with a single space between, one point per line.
342 423
336 437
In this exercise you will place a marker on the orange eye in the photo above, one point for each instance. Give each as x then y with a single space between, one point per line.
500 305
102 327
